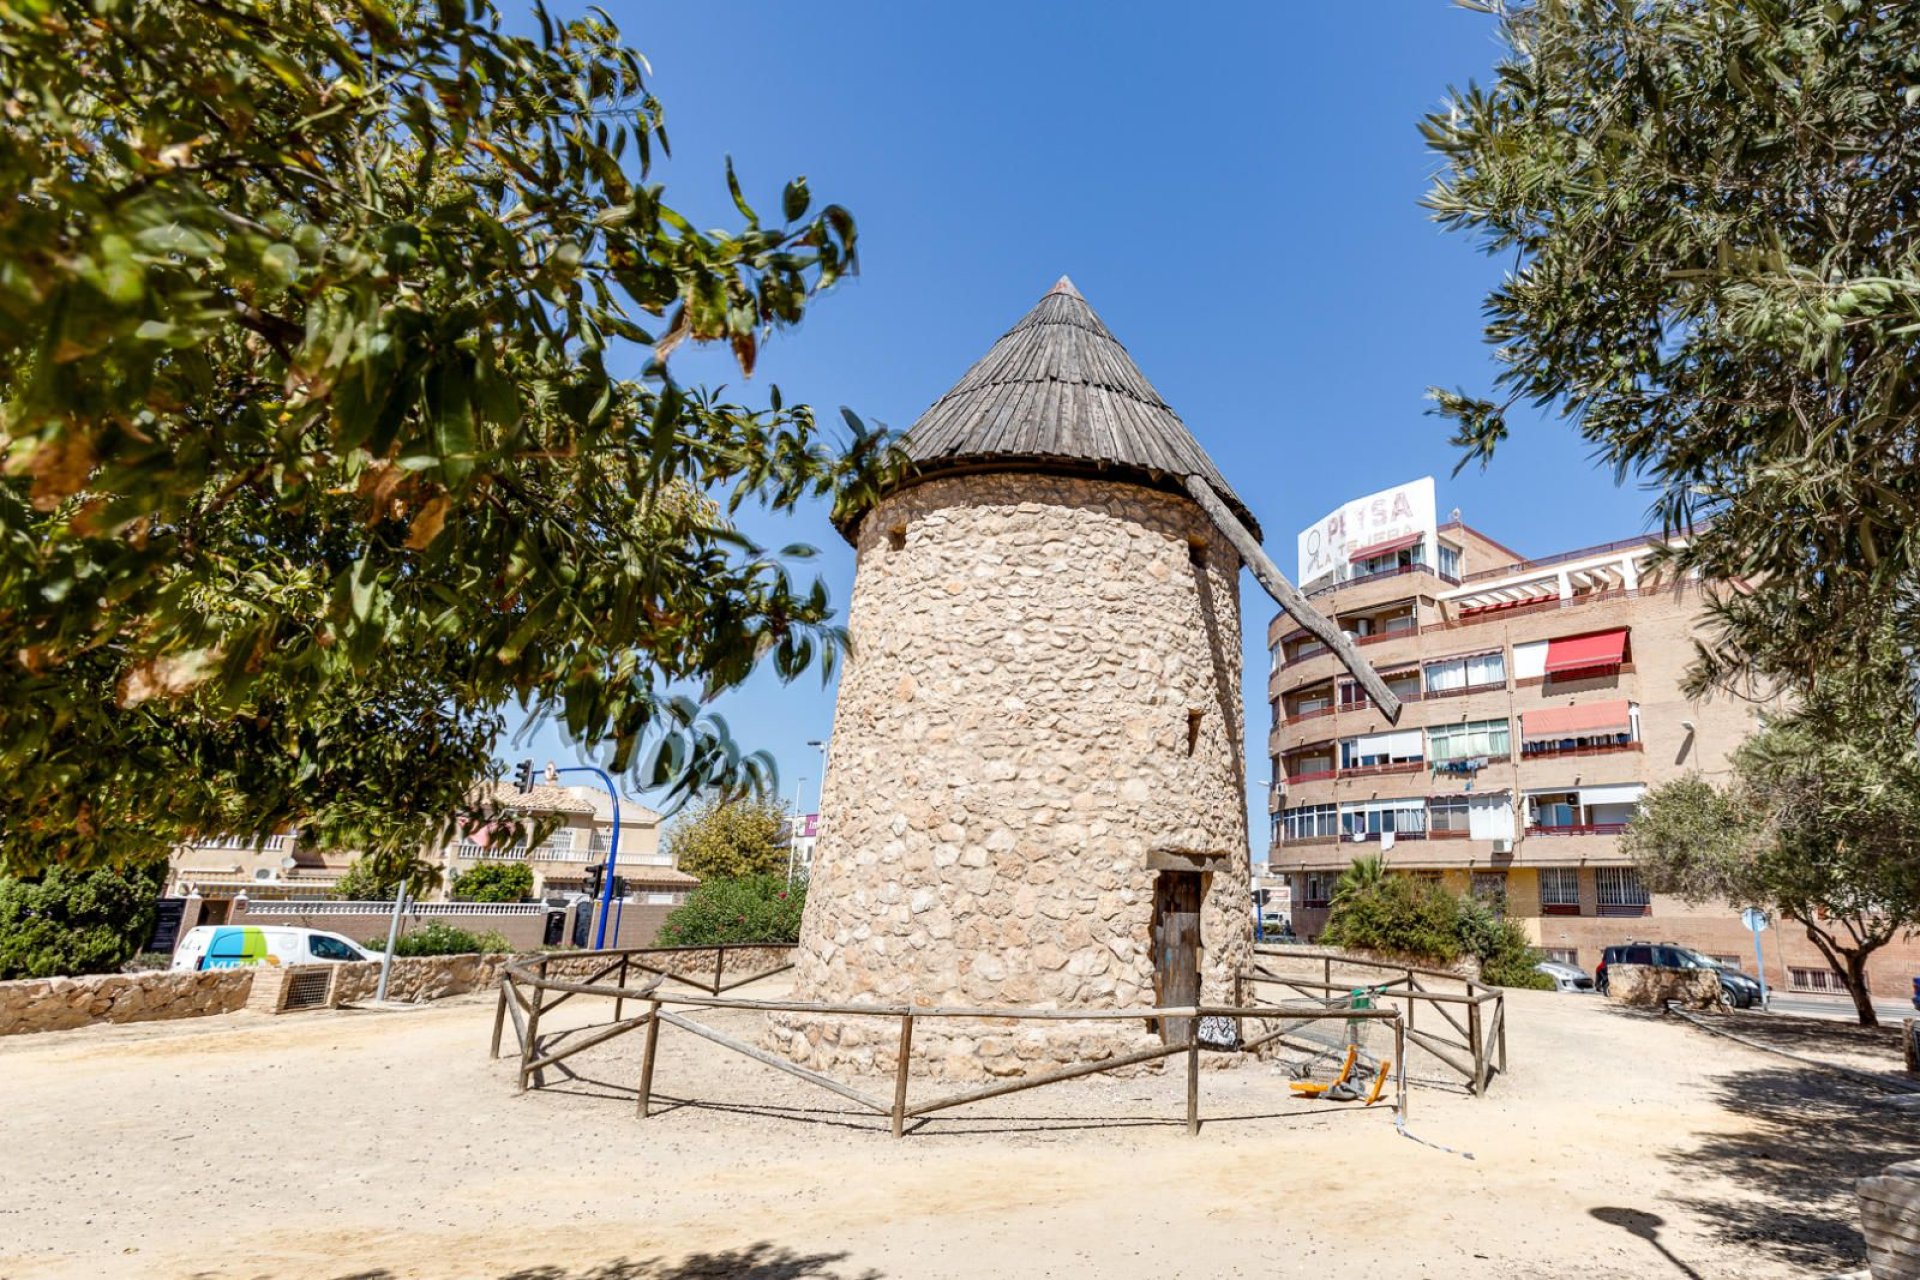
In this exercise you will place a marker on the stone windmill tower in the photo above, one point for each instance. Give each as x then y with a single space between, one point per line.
1034 789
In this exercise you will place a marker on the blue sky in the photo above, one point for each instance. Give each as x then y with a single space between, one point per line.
1234 189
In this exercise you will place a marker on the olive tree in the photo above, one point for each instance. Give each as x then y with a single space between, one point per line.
1709 214
1819 821
315 456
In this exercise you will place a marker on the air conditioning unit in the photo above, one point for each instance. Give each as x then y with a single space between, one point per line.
1503 845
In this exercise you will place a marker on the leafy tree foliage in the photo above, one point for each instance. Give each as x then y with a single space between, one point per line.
1399 915
71 922
369 879
1710 212
723 838
495 882
313 456
1819 821
744 909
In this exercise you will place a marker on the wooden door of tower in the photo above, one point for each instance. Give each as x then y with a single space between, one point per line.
1176 947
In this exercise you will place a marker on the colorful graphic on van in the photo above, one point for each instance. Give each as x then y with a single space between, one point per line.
231 948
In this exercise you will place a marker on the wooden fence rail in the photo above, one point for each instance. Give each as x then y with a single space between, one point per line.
527 989
1476 1015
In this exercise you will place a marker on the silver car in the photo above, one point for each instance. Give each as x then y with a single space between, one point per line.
1566 977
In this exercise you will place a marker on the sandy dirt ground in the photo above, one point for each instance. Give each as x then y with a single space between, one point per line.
387 1144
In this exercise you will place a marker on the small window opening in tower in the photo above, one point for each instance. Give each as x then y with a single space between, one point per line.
1197 552
897 537
1193 729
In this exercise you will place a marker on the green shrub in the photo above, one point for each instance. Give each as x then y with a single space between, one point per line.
1506 958
1398 915
1374 910
438 938
495 882
66 922
746 909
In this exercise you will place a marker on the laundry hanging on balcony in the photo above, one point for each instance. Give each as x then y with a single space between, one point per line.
1470 765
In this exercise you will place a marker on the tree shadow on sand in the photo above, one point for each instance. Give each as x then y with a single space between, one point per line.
762 1261
1812 1136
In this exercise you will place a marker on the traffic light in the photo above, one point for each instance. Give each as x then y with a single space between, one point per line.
619 886
594 874
523 777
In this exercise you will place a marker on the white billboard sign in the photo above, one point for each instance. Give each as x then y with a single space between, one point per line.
1404 511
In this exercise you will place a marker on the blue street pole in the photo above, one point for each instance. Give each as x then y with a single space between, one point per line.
613 852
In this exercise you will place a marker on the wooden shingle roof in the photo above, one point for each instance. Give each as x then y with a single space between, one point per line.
1058 392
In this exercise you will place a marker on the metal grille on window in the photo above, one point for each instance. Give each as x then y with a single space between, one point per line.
1620 889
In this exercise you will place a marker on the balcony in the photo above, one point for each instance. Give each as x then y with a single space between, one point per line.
1380 770
1373 837
1497 686
1380 575
1312 775
468 851
1551 750
1302 716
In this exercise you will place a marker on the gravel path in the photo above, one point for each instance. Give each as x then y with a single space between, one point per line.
362 1143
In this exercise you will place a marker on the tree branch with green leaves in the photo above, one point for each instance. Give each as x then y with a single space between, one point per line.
316 460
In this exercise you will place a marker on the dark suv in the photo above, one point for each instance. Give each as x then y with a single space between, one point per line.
1736 988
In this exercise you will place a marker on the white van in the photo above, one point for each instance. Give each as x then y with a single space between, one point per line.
227 946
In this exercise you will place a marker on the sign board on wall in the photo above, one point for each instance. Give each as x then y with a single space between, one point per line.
1404 511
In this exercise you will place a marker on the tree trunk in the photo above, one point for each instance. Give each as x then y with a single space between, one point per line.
1849 962
1857 988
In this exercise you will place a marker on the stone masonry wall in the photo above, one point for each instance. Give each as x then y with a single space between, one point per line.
60 1004
1044 691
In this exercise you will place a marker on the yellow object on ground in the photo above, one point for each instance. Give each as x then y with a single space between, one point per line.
1379 1082
1311 1089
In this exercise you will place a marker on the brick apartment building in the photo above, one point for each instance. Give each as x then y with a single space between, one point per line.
220 869
1542 699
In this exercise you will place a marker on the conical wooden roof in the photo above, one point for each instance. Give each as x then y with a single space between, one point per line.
1058 392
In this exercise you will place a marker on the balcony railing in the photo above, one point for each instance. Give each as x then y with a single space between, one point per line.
1312 775
1580 829
1564 557
1545 605
1542 750
1464 690
1373 837
1559 908
467 851
1315 714
1398 571
1441 833
1377 770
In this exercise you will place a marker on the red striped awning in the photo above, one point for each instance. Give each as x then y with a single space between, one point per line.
1373 549
1586 721
1587 653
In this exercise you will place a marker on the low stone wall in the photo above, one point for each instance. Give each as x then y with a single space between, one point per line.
417 978
1890 1220
1645 987
60 1004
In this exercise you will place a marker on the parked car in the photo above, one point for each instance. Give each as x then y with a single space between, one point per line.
1736 988
223 946
1566 977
